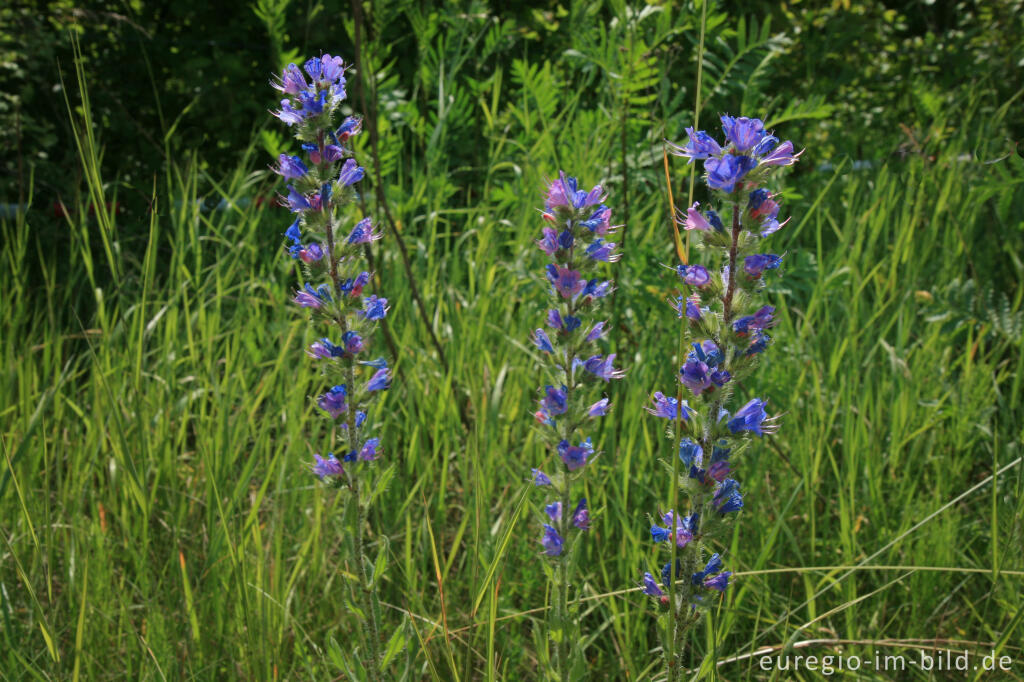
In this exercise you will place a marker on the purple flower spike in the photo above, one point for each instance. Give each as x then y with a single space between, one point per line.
694 275
597 289
683 538
351 173
540 337
288 114
332 153
743 132
324 349
312 298
762 319
593 197
695 375
706 351
327 467
690 452
354 344
552 541
380 381
332 70
374 308
290 167
766 144
296 202
565 239
311 254
291 82
715 221
772 226
555 319
598 409
694 220
314 68
759 344
306 300
540 478
599 221
651 586
312 103
750 417
667 407
601 251
554 511
581 516
602 368
595 332
555 401
719 471
575 456
719 582
560 192
699 146
782 155
565 281
361 280
683 529
666 572
659 534
349 127
549 242
363 233
713 566
333 402
693 311
755 265
760 204
369 451
728 497
724 173
293 233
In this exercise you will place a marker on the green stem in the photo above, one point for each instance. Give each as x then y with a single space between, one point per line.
367 592
675 606
371 609
563 595
562 661
727 301
727 315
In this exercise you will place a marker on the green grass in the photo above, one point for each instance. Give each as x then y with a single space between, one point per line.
159 521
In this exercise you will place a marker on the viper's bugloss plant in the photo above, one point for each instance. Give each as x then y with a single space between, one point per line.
330 249
575 239
723 334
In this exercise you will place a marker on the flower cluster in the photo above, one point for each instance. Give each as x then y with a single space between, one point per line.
319 182
725 330
575 239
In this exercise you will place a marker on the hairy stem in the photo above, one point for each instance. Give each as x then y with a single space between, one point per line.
727 301
366 587
562 660
367 593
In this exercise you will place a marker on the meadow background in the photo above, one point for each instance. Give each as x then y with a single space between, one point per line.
157 516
